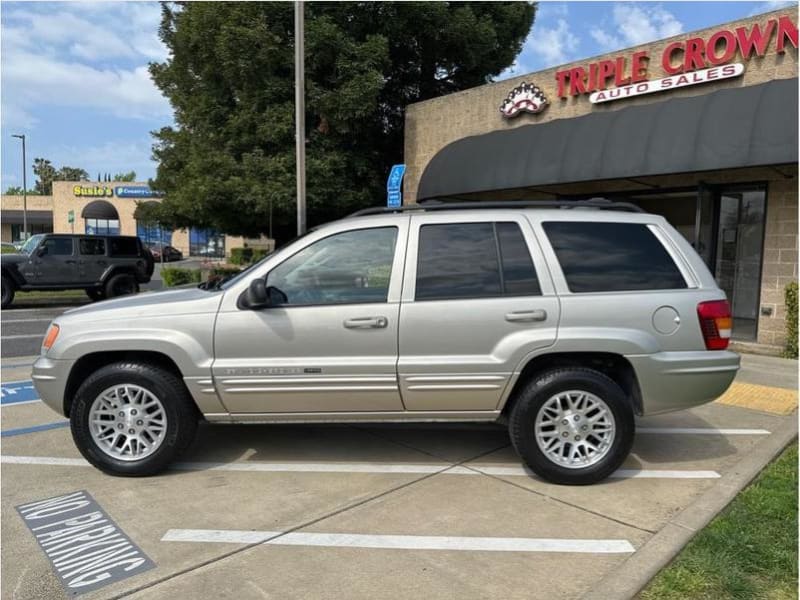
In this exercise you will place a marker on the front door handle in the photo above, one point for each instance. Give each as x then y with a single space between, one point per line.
366 323
526 316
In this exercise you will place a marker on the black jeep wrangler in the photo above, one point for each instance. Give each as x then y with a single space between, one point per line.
103 265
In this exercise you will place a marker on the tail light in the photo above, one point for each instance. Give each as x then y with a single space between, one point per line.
715 323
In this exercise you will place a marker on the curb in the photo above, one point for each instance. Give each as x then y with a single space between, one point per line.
637 571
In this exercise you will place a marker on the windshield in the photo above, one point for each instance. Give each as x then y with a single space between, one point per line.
31 244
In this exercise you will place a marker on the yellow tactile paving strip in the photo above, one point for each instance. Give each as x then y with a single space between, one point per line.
760 397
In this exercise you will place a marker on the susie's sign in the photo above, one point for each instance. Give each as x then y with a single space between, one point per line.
689 62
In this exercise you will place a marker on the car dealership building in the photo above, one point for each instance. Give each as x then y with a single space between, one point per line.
701 128
108 208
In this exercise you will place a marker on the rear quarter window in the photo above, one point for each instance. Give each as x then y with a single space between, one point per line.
123 246
612 257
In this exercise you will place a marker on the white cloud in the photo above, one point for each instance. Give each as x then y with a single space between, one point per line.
635 24
91 55
31 79
555 45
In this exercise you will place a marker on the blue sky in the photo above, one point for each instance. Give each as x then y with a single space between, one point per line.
75 81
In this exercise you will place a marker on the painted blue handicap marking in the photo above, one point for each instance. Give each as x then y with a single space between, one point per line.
18 391
34 428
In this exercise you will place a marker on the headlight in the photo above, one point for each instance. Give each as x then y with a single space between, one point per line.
50 338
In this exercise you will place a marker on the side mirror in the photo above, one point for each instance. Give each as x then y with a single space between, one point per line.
260 295
257 296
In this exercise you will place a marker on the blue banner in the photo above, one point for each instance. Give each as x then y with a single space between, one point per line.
394 186
125 191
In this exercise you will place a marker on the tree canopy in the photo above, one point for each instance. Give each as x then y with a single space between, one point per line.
228 162
46 174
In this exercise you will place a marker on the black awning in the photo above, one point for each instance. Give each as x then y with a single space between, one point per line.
730 128
99 209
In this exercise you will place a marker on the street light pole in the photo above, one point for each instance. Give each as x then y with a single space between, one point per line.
300 115
24 189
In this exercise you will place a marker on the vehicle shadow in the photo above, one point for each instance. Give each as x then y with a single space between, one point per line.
437 444
662 448
424 443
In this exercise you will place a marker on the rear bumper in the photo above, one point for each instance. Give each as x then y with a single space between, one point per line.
50 380
672 381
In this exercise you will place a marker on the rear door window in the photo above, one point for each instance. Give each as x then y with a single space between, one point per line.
612 257
92 246
473 260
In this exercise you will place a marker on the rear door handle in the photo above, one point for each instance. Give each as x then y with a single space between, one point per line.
526 316
366 323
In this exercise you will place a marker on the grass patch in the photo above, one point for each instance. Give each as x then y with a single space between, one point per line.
748 551
55 295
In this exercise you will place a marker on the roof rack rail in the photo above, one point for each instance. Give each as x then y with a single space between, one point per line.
600 203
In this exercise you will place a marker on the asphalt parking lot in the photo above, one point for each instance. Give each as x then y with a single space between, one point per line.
392 511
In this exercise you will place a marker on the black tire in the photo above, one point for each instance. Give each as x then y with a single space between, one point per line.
543 387
96 294
181 417
6 291
121 284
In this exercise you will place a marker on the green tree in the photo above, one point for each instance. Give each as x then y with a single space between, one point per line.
129 176
71 174
229 160
45 174
16 190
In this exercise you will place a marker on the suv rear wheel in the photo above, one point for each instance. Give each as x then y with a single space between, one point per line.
132 419
6 291
121 285
572 426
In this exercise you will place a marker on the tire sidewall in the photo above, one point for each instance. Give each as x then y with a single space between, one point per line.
524 414
115 280
158 385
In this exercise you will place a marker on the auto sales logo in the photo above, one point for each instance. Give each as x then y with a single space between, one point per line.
525 97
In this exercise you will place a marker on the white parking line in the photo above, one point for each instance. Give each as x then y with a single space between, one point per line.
263 467
516 470
399 542
20 337
701 431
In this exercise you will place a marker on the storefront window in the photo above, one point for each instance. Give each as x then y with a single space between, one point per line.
33 229
740 241
153 234
206 242
102 226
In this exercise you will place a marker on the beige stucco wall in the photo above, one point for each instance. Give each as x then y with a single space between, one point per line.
9 202
433 124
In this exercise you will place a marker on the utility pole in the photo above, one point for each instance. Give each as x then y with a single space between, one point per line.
300 114
24 189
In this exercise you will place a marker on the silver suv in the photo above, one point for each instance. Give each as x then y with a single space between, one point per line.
565 321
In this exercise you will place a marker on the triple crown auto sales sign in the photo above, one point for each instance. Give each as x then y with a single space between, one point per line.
686 62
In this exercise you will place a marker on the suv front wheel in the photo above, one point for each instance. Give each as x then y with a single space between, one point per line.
572 426
121 284
132 418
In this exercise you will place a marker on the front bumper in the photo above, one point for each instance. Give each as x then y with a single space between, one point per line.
50 380
672 381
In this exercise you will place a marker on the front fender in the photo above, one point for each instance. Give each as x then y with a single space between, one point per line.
191 356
